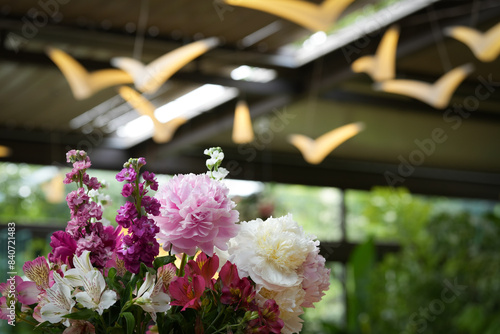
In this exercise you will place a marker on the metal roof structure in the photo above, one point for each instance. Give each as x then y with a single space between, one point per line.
406 142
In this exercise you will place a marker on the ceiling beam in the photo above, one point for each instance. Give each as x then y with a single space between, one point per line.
289 168
335 67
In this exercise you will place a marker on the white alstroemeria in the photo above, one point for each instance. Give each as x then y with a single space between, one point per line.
95 296
59 304
151 297
82 266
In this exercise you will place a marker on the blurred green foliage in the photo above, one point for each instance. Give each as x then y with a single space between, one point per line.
445 278
27 194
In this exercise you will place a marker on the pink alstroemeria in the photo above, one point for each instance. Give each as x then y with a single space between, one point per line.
205 267
185 293
26 292
269 321
4 308
38 271
168 274
236 291
79 327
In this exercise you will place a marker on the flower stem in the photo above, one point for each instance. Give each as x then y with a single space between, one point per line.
180 272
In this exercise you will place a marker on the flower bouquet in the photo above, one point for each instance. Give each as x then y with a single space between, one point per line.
213 275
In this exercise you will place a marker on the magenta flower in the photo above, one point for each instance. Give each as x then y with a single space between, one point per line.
127 190
268 321
150 180
126 214
126 174
205 267
63 248
195 212
186 292
236 291
151 205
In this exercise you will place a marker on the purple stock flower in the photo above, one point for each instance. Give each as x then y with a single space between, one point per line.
126 174
141 162
151 205
94 210
75 199
126 214
140 245
150 180
92 183
101 241
127 190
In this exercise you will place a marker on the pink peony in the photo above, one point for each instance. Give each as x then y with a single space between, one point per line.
316 278
195 212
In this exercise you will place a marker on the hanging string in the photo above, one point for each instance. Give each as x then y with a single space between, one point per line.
312 102
141 30
474 13
438 38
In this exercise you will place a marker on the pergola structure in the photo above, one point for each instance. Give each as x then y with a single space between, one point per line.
406 142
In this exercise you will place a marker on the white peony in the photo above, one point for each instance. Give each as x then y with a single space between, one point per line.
289 301
271 252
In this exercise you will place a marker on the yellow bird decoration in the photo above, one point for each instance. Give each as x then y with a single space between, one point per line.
380 66
315 151
485 46
309 15
242 127
437 95
82 83
148 78
163 132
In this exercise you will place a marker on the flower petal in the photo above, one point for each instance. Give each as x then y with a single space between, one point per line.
27 292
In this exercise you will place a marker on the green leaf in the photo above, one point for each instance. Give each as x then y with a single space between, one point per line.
129 288
163 260
129 318
360 265
84 314
145 269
